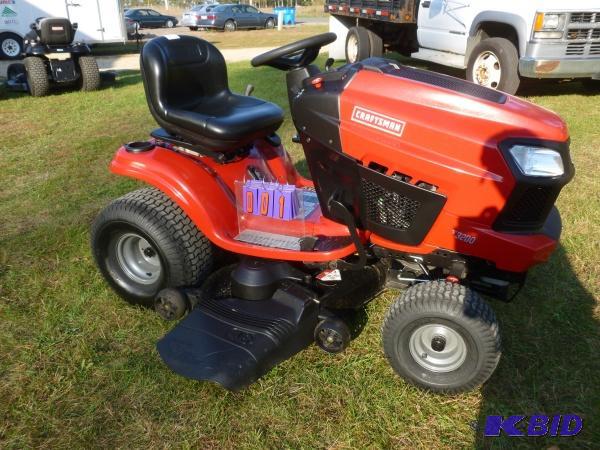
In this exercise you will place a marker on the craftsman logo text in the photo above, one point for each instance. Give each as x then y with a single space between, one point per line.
379 121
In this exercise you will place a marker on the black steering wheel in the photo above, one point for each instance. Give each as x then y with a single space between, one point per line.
294 55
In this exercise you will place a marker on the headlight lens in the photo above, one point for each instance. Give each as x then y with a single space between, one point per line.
537 161
549 25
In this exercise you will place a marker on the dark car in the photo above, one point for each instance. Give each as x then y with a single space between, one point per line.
147 18
232 17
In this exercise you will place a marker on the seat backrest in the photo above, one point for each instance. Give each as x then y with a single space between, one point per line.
55 31
181 72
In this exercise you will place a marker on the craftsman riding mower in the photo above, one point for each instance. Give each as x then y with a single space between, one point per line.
419 181
53 59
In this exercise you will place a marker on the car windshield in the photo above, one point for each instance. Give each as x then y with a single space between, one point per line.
130 12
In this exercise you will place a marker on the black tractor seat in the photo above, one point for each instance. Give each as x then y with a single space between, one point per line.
185 79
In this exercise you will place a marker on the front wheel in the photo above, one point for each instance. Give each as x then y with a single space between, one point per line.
494 63
442 336
37 76
169 24
90 74
143 242
270 23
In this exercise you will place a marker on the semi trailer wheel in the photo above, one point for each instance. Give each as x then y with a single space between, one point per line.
143 242
442 336
37 76
11 46
90 74
494 63
362 43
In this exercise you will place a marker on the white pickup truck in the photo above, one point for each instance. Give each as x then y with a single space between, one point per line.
497 42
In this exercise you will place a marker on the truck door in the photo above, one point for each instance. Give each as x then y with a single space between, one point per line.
86 14
444 24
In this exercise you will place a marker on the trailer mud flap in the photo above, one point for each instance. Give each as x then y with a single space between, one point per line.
234 342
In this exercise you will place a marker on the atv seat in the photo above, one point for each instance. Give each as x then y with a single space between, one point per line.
185 79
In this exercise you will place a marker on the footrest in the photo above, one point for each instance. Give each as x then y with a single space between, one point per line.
234 342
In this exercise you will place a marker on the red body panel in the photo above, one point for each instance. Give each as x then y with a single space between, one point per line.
450 140
205 192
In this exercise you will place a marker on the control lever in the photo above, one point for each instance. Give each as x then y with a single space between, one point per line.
249 90
329 64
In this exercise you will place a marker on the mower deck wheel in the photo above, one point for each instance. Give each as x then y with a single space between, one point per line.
332 335
90 74
442 336
143 242
37 76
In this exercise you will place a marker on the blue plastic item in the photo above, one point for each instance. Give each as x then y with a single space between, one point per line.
289 15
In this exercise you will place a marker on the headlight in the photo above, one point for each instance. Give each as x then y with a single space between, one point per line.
537 161
549 25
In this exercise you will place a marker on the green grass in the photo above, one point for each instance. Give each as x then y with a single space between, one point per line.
78 366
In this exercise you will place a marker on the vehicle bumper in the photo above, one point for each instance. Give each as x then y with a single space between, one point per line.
549 60
189 23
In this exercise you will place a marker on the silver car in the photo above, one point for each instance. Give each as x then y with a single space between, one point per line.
193 16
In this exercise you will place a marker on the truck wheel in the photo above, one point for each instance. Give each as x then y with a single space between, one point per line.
11 46
143 242
591 85
376 44
90 74
442 336
494 63
37 76
358 44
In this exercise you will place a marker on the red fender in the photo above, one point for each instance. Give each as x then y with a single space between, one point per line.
208 198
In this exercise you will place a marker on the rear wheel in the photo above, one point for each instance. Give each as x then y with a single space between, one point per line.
143 242
193 28
90 74
494 63
229 26
270 23
11 46
37 76
442 336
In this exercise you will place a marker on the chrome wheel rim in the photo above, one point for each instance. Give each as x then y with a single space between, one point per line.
230 26
11 47
487 70
169 24
437 348
138 259
352 48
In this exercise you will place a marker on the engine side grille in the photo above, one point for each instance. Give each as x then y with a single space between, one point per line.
387 207
395 209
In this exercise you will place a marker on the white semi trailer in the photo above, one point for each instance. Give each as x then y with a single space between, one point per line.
98 21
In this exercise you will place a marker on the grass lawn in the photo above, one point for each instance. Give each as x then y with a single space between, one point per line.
78 366
238 39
